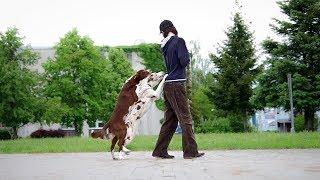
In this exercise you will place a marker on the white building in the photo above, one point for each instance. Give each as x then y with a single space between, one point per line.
275 119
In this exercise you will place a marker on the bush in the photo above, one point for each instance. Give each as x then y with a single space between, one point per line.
237 123
4 135
218 125
232 123
201 107
299 123
41 133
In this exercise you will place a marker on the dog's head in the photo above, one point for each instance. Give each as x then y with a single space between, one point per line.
140 75
155 78
152 79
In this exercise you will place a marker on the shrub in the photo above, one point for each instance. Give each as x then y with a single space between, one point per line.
201 107
218 125
299 123
238 123
4 135
41 133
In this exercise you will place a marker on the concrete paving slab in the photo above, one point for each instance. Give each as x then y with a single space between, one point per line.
219 164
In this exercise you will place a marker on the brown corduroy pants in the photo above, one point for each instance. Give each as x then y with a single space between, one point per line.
176 110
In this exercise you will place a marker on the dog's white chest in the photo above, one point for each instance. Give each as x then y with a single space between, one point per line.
132 119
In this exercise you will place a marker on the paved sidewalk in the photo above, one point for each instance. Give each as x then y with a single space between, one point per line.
220 164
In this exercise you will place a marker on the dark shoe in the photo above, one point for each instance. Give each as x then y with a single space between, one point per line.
192 157
166 156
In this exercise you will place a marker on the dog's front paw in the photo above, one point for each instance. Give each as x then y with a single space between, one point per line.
120 158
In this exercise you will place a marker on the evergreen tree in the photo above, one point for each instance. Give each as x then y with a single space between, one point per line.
235 72
298 54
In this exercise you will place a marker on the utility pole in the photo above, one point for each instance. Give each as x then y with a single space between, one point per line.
291 102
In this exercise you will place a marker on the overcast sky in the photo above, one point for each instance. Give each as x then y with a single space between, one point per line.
120 22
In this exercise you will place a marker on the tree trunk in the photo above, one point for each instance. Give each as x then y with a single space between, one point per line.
309 119
77 128
15 132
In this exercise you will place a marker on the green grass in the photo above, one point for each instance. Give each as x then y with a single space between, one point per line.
146 143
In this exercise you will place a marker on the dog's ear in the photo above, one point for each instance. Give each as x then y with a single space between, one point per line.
141 74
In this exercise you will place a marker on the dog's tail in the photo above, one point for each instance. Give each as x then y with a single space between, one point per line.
105 130
106 126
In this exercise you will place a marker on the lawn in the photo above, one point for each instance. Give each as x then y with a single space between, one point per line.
146 143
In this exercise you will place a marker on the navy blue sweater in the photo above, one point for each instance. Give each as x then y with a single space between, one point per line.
176 58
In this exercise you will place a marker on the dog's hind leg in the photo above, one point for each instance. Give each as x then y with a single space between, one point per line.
121 145
113 143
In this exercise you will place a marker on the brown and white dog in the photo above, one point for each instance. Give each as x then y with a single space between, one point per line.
135 98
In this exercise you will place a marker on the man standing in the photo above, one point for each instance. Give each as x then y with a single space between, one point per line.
177 109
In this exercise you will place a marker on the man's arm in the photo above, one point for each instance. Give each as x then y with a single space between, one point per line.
183 54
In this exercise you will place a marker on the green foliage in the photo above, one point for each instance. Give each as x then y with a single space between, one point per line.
119 63
151 55
52 109
202 108
299 123
235 73
120 72
160 104
299 55
217 125
4 135
83 81
18 84
238 123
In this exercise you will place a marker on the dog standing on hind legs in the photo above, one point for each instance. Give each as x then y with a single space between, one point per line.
135 98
